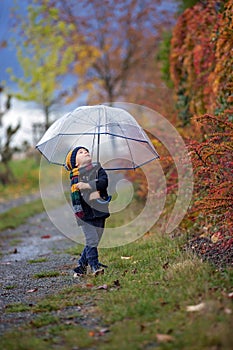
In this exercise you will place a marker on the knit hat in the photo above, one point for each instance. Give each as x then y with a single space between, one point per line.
71 157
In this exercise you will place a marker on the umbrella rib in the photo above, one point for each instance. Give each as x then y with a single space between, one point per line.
103 133
135 167
128 146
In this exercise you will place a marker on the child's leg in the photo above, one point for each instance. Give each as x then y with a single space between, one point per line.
81 269
92 240
99 223
83 258
89 254
93 231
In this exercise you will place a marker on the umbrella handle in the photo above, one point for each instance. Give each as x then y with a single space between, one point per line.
104 201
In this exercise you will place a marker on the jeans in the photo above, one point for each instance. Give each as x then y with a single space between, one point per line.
93 231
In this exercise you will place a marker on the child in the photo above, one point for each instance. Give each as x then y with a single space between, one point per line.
90 201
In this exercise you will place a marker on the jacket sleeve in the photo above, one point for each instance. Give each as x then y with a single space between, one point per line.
101 182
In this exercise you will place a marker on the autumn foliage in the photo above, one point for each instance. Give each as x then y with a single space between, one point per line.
201 70
201 58
212 162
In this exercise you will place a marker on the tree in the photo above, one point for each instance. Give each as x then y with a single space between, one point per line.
6 107
6 150
43 56
163 56
125 35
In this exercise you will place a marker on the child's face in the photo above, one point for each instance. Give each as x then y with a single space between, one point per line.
82 157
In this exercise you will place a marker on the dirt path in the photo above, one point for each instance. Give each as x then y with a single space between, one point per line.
37 239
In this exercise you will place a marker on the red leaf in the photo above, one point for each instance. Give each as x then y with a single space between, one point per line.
46 236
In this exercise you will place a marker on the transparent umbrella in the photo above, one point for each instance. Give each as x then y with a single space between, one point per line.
112 135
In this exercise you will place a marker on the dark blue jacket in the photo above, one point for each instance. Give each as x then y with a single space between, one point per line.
97 178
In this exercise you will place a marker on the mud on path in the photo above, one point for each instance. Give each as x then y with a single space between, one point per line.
37 240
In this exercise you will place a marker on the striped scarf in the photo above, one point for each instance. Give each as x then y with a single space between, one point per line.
75 194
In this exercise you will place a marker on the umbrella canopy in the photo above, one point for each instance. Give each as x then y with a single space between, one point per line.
112 135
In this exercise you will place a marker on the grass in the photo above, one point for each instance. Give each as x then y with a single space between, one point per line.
18 215
45 319
10 286
45 274
17 307
26 173
144 296
15 241
36 261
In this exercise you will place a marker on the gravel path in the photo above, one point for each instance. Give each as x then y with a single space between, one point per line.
6 205
36 239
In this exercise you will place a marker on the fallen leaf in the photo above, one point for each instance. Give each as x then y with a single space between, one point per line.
91 333
104 286
69 323
214 238
227 311
164 338
142 327
89 285
194 308
163 302
126 257
32 290
46 236
116 283
156 283
103 331
5 263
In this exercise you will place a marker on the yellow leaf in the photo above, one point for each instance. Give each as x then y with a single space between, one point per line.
164 338
215 237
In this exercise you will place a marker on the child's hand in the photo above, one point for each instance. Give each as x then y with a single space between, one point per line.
94 195
83 186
